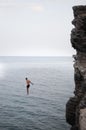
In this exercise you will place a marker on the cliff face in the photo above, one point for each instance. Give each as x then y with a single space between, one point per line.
76 106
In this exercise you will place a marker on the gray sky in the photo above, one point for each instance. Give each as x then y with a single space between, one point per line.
36 27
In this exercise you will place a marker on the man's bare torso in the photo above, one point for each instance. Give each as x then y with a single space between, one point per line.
28 82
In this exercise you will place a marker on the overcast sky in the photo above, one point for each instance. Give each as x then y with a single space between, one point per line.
36 27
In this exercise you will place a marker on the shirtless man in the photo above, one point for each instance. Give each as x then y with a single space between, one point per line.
28 82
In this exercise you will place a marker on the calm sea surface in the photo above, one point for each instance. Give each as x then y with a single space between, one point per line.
44 107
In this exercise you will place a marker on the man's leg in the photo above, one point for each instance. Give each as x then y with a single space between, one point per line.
27 90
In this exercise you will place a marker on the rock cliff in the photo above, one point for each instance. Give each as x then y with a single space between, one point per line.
76 106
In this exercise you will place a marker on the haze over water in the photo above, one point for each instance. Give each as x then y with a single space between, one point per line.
44 107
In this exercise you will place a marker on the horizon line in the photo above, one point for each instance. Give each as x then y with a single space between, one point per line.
39 56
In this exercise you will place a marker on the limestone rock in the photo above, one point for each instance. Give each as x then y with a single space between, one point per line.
71 110
82 119
76 106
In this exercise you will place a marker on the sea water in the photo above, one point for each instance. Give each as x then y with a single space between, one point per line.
44 107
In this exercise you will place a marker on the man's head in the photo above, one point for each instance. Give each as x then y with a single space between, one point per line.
26 78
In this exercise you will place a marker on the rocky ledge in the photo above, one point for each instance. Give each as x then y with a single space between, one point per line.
76 106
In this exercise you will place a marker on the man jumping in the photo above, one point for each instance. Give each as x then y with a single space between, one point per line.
28 82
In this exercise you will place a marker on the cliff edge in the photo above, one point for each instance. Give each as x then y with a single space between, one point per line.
76 106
